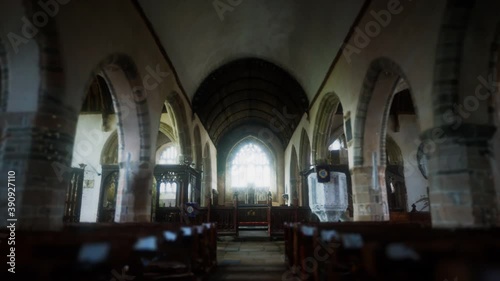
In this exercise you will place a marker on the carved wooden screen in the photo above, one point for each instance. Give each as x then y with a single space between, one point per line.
168 190
175 186
107 199
73 201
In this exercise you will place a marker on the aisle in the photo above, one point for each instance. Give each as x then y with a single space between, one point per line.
250 260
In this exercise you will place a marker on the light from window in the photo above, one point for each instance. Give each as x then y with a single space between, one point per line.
169 155
168 192
250 168
336 145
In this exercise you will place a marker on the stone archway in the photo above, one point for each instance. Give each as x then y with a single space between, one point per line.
207 176
395 178
383 80
324 126
176 104
134 153
295 179
305 164
197 148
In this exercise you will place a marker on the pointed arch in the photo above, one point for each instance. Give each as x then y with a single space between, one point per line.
168 132
197 147
135 151
161 139
382 81
305 164
109 153
397 197
325 126
207 172
394 155
295 178
129 100
176 104
266 161
305 151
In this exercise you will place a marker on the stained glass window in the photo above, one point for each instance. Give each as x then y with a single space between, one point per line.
169 154
250 167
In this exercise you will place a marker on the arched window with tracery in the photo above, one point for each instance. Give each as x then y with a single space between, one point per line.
251 172
168 154
338 151
168 192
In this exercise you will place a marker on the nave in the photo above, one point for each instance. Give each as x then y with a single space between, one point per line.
250 257
141 139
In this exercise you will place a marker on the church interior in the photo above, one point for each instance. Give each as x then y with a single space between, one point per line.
250 140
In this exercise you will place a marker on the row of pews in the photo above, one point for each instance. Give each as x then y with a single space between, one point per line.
116 251
390 251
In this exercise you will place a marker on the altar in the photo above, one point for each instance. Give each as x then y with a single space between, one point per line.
252 195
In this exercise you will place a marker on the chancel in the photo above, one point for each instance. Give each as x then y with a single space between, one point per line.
250 140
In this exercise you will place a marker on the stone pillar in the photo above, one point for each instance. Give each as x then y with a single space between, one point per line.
369 203
462 191
133 198
37 147
495 164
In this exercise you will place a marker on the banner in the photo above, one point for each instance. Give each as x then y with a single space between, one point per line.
323 172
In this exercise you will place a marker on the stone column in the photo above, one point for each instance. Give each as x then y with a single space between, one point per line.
462 191
133 198
37 147
369 203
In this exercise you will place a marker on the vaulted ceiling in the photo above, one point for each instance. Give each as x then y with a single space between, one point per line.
250 92
283 49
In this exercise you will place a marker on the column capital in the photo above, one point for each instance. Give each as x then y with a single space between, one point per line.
468 134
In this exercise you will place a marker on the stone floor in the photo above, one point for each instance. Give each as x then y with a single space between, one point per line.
249 258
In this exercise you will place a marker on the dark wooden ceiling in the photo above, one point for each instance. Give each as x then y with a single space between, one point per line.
250 92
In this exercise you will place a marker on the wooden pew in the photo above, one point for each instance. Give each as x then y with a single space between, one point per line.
226 220
281 215
106 251
293 233
448 254
390 251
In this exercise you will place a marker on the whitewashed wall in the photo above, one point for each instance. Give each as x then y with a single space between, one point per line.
408 141
89 142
